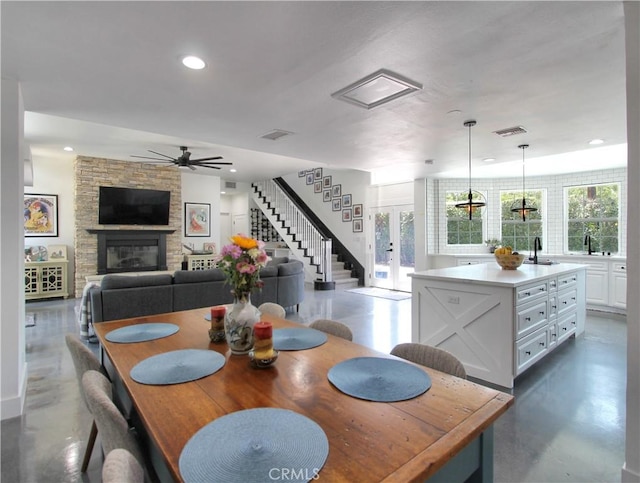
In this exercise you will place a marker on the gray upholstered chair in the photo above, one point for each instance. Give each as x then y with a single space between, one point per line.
332 327
83 360
120 466
432 357
273 309
113 427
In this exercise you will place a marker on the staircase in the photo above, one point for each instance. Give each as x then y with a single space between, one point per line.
342 276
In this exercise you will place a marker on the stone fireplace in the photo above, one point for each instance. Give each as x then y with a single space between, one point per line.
90 174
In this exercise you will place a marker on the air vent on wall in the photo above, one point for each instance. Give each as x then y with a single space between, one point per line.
275 134
510 131
231 185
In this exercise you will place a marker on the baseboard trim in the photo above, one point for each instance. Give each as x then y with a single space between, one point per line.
628 476
14 406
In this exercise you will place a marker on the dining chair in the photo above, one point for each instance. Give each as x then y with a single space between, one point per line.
83 360
121 466
332 327
113 427
274 309
430 356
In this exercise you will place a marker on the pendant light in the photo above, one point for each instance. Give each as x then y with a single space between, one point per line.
471 205
521 206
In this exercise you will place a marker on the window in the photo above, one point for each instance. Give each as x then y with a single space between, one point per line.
516 233
461 230
593 210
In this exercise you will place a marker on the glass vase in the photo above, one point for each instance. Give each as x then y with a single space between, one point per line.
238 324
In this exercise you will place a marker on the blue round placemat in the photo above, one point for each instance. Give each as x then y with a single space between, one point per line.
177 366
379 379
255 445
142 332
297 339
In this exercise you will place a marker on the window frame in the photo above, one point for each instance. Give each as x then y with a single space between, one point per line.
482 217
542 209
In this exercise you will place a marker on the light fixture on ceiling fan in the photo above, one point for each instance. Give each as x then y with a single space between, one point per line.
471 204
519 206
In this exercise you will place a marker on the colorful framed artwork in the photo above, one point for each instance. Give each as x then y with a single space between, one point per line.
317 174
336 204
336 191
357 226
310 178
346 214
40 215
357 211
326 182
317 187
326 195
346 201
209 247
197 219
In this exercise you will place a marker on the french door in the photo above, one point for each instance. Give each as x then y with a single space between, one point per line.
393 247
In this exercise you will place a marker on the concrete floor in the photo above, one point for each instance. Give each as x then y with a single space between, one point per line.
567 423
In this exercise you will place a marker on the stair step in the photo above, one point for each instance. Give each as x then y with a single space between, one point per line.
346 283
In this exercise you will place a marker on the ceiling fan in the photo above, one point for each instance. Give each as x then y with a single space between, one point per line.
184 160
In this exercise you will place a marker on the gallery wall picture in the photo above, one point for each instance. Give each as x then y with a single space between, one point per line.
336 191
317 174
326 182
302 174
197 219
40 215
357 211
317 187
346 201
346 214
310 178
336 204
326 195
357 226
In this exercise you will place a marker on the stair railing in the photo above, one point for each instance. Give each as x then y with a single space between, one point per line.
302 237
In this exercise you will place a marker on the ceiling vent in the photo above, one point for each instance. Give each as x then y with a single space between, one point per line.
275 134
230 185
511 131
376 89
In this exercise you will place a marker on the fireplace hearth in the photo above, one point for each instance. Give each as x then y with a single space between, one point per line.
131 250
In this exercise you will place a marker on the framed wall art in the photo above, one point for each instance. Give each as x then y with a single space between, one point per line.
326 182
317 174
326 195
40 215
357 226
209 247
346 214
346 201
336 191
197 219
357 211
310 178
336 204
302 174
317 187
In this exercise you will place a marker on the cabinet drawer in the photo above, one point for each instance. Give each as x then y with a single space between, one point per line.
567 301
529 292
566 326
530 349
619 267
599 266
531 317
567 280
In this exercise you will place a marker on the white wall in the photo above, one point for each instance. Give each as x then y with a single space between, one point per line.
352 182
55 177
13 367
553 185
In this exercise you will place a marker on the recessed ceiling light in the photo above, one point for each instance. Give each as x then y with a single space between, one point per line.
68 148
596 141
232 170
488 160
193 62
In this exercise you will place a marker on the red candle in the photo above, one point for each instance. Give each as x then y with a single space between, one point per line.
263 330
218 312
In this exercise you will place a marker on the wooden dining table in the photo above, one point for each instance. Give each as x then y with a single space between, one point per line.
445 434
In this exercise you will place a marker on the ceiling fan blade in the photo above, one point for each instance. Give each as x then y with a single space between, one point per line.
205 166
160 154
147 157
211 162
207 159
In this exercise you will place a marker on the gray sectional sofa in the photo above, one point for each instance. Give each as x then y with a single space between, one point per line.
122 296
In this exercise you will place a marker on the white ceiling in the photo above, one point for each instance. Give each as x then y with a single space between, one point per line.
105 78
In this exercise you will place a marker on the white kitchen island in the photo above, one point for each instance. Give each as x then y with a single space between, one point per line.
498 322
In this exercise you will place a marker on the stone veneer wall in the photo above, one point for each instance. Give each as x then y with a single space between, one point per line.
90 174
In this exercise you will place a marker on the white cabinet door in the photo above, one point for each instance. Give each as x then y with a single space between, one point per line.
618 295
598 283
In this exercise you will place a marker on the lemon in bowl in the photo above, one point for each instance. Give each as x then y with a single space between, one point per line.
509 261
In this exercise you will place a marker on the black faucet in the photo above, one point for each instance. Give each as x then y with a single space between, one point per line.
587 242
537 245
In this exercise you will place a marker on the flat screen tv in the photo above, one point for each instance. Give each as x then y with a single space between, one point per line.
132 206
